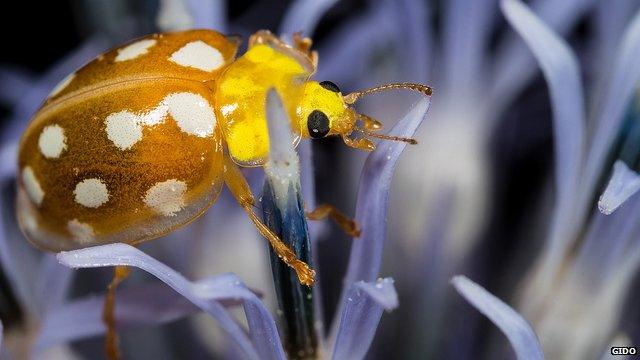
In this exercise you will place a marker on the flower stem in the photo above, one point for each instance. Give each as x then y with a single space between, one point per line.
295 301
283 213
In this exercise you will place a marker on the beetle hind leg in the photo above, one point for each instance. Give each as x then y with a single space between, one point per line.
348 225
241 191
112 350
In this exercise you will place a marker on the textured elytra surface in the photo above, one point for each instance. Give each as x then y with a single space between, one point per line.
154 138
149 61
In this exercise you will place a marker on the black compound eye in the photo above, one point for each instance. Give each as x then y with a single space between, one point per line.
330 86
318 124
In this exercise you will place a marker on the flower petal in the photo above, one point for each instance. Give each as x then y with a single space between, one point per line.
149 304
19 260
371 208
414 38
52 284
304 15
372 203
351 47
173 15
200 295
13 84
29 102
514 68
624 182
520 334
361 314
561 70
208 14
623 82
467 28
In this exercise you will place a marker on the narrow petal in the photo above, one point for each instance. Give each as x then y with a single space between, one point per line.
173 15
29 102
415 38
52 283
372 203
467 27
561 71
361 314
19 260
283 167
513 67
149 304
199 295
8 160
371 208
610 19
304 15
623 183
142 305
283 213
623 82
348 49
13 84
208 14
519 332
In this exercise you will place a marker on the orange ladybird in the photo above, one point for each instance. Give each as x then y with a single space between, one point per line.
141 140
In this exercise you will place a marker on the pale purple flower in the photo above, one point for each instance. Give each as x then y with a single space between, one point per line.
575 297
566 271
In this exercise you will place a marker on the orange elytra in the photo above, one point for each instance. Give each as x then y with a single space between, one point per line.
141 140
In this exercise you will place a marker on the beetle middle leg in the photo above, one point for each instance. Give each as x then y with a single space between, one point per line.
241 191
112 349
323 211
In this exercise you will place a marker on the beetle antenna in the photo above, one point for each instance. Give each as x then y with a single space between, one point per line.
387 137
422 89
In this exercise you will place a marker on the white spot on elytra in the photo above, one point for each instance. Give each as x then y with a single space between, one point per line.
155 116
192 113
32 186
81 232
123 129
199 55
167 197
91 193
134 50
29 221
52 141
62 85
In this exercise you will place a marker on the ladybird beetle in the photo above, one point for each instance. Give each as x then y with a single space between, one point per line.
141 140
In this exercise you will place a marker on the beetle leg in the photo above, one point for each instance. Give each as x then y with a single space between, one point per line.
324 211
112 349
360 144
301 45
241 191
265 37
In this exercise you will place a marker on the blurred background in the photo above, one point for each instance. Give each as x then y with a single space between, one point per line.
503 186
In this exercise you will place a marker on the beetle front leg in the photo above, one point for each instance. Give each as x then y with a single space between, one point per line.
241 191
